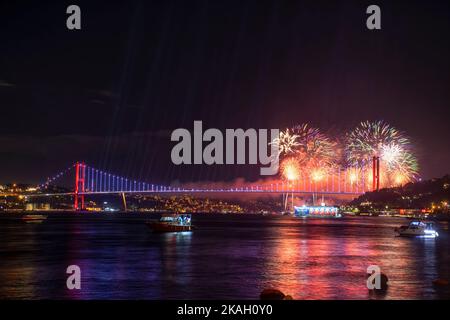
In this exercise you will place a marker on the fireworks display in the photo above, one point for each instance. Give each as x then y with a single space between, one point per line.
307 153
371 139
290 169
313 153
378 139
315 149
286 143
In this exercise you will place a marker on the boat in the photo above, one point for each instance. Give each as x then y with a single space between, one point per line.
418 229
34 218
316 212
171 223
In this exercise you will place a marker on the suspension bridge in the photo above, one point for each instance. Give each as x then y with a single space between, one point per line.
92 181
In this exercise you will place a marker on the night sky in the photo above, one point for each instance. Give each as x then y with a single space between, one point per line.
111 93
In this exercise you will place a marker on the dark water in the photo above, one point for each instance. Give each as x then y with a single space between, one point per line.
228 256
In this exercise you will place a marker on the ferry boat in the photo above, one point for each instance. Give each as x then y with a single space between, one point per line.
418 229
171 223
317 212
34 218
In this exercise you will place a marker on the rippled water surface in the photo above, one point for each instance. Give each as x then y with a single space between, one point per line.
227 256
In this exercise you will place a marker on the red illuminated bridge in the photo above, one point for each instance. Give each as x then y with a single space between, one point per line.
91 181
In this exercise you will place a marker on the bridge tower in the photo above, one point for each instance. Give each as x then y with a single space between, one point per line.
80 174
376 173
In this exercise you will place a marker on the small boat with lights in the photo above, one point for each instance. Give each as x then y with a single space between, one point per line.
418 229
34 218
171 223
316 212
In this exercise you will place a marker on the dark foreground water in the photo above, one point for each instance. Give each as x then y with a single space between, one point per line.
228 256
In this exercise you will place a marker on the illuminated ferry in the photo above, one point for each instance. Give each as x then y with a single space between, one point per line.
316 212
171 223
